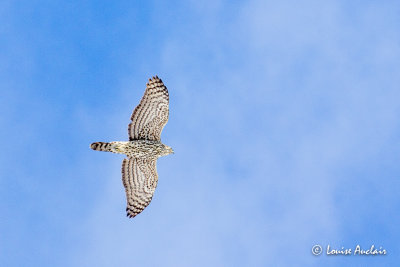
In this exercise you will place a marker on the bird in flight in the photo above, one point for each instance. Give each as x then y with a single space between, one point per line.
139 172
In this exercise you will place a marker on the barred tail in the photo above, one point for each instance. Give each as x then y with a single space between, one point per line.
101 146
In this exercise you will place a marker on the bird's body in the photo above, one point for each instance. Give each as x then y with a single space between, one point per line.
139 173
135 149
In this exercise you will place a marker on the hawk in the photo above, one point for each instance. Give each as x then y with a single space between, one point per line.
139 173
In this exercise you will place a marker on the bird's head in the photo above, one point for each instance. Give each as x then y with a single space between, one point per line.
167 150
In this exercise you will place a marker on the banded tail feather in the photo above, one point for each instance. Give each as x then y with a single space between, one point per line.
101 146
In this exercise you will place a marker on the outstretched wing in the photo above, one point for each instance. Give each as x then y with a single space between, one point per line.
151 115
140 178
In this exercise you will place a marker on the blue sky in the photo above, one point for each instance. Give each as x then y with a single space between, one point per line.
284 118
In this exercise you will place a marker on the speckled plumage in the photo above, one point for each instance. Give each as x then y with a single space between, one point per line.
139 173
